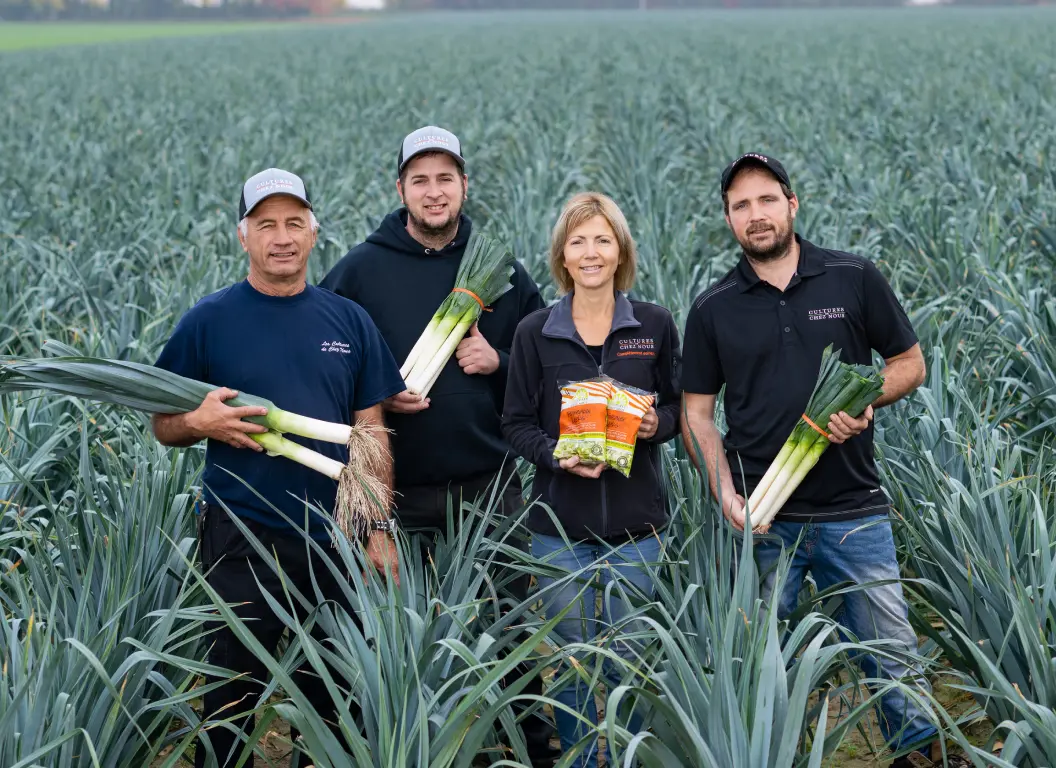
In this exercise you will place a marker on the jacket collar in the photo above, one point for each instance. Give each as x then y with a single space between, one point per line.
559 325
810 264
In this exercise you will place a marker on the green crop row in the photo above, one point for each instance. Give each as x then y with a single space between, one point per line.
924 139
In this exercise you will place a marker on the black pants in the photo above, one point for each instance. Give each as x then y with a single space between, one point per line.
232 567
423 511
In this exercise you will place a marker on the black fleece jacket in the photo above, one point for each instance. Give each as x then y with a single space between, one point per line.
642 349
401 283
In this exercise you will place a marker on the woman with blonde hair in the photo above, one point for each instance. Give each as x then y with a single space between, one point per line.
593 330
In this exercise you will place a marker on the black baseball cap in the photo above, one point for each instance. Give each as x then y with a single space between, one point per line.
758 160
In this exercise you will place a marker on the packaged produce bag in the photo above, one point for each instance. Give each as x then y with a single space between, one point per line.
625 410
582 422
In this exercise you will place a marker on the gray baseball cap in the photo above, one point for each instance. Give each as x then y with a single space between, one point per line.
265 184
429 139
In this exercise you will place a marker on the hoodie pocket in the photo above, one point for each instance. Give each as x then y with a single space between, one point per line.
457 437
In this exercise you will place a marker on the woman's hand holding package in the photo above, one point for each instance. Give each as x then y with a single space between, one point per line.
649 424
574 466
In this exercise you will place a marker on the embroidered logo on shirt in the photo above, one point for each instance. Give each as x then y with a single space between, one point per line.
336 346
636 348
831 313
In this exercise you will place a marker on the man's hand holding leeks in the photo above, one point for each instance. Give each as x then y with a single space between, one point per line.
475 354
381 550
842 427
405 402
733 508
215 420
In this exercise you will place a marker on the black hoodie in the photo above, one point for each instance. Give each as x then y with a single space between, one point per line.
401 283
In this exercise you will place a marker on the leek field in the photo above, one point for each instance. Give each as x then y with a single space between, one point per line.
925 138
21 36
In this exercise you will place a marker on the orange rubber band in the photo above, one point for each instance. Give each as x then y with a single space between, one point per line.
481 303
816 428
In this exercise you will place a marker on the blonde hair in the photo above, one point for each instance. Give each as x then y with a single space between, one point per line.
579 209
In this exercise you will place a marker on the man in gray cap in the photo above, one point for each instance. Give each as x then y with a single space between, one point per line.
309 352
451 441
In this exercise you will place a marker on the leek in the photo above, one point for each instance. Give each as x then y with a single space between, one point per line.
361 495
147 388
839 387
275 444
484 273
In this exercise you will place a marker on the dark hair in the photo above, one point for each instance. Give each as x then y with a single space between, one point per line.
430 153
726 199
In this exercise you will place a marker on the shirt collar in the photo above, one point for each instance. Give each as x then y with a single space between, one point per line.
560 324
811 263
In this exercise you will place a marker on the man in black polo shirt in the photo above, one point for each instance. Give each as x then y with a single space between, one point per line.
760 331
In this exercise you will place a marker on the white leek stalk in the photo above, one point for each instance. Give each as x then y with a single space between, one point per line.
483 276
424 376
840 387
277 445
281 421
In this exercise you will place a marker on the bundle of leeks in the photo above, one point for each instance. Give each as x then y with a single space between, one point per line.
840 387
361 497
483 276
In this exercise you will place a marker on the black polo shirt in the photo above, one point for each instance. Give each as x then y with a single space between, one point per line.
765 346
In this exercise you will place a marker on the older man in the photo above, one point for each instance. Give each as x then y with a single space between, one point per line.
760 331
309 352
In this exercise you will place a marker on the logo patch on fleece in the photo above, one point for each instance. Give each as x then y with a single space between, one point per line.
642 347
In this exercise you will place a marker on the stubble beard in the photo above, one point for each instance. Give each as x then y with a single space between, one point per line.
781 245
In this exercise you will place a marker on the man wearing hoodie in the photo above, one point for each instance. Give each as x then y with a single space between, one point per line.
451 441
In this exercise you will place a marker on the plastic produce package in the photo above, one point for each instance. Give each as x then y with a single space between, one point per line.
626 408
582 424
599 421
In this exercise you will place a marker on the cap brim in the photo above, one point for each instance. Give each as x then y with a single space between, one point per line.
454 155
306 203
742 163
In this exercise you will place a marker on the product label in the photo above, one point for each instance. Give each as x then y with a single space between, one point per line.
625 411
582 421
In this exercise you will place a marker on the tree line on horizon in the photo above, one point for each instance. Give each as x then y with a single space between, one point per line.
138 10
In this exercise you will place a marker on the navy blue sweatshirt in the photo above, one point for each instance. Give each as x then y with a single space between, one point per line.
642 350
401 283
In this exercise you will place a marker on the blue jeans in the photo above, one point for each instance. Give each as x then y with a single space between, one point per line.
839 551
581 625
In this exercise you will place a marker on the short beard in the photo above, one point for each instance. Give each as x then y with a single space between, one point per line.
436 232
782 244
